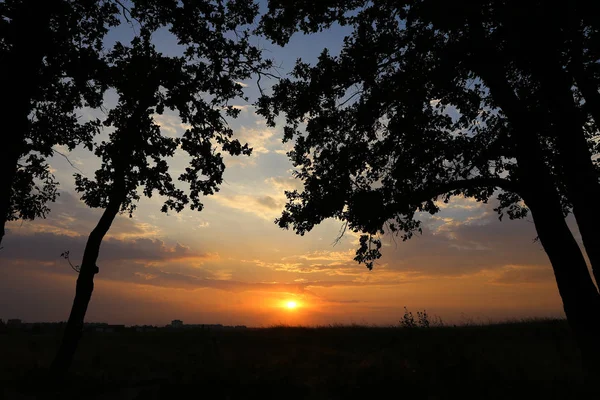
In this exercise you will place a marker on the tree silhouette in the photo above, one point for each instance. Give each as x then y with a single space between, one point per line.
558 52
198 86
50 67
429 100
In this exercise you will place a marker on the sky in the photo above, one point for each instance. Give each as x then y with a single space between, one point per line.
231 264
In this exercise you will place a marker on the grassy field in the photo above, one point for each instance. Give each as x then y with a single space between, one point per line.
533 360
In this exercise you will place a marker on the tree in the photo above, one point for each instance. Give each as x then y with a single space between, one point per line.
50 54
375 143
559 52
198 86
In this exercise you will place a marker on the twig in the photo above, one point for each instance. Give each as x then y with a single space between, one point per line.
350 98
341 234
126 10
69 161
75 268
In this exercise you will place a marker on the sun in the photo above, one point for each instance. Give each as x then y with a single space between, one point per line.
291 305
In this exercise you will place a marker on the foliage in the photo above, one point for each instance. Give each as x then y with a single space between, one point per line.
401 118
423 320
198 86
408 320
51 54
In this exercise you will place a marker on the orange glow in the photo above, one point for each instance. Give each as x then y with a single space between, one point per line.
291 305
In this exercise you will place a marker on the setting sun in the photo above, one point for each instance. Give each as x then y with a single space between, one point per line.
291 305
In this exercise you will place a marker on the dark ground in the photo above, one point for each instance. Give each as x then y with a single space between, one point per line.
532 360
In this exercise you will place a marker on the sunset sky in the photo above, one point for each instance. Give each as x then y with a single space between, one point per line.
231 264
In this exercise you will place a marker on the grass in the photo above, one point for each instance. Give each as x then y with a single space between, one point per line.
532 359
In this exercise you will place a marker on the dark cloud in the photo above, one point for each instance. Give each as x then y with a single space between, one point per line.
287 182
70 216
467 248
516 275
137 261
269 202
46 246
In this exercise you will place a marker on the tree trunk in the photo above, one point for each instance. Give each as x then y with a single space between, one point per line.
9 158
84 289
581 300
583 190
19 76
579 172
588 88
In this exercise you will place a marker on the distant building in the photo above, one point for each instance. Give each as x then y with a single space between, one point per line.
95 326
114 328
103 327
177 323
145 328
14 323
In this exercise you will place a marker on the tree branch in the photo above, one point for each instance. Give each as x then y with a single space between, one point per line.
69 161
478 182
441 189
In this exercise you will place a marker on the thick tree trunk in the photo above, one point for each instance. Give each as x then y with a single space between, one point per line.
583 190
19 77
9 157
581 300
579 173
588 88
84 289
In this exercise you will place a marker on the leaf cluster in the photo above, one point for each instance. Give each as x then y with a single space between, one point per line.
198 86
401 119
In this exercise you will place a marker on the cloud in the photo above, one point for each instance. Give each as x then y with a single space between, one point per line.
338 267
284 183
262 140
265 207
69 216
174 276
453 248
269 202
153 262
171 125
326 255
48 246
460 248
519 274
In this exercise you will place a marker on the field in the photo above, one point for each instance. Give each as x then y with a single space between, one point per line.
533 360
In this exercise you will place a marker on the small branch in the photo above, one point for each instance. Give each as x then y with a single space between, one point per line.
350 98
75 268
260 89
126 10
69 161
418 197
340 234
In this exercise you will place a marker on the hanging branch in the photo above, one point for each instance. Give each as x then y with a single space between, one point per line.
65 255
